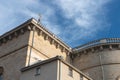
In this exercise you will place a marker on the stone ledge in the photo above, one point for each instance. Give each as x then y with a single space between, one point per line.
97 48
29 25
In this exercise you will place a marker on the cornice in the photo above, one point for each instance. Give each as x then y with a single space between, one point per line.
17 28
107 44
42 29
30 25
14 33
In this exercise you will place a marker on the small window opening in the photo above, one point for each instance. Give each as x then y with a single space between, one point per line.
1 77
38 71
70 72
81 77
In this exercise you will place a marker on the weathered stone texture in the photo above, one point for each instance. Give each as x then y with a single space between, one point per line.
24 49
102 64
14 44
47 72
52 70
13 63
44 47
13 55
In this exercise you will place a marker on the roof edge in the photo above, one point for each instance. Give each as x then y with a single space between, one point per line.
54 59
17 28
39 26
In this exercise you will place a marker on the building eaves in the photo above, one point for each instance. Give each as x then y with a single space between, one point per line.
39 26
50 33
95 43
40 63
51 60
17 28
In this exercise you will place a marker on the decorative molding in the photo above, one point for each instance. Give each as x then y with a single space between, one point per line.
105 41
4 40
46 37
40 32
85 51
33 28
15 34
78 54
68 53
101 48
63 49
51 35
57 46
92 49
119 46
50 38
97 48
52 41
31 25
110 47
10 37
22 31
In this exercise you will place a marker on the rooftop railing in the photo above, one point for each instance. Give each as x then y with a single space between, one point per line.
98 42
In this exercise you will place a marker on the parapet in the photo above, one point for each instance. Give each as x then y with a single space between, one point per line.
31 25
97 45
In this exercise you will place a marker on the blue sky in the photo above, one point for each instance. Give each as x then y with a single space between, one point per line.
74 21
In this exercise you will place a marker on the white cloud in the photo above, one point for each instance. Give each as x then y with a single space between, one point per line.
12 11
88 17
83 18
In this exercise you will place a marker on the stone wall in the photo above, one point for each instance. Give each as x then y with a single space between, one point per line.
13 55
101 64
47 72
52 69
42 47
65 73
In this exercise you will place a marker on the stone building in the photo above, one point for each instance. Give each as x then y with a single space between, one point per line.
30 44
31 52
99 58
52 69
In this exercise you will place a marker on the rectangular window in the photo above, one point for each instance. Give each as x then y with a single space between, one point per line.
38 71
70 72
1 77
81 77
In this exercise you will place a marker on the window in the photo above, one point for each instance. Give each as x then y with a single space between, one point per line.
81 77
38 71
70 72
1 77
1 73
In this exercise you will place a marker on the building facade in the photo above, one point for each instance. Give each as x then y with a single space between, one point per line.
26 45
52 69
100 59
31 46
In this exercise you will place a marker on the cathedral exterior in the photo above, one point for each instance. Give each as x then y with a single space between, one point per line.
31 52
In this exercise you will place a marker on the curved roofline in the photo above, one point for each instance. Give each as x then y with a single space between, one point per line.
98 42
